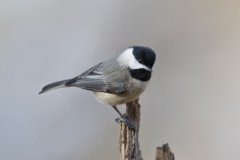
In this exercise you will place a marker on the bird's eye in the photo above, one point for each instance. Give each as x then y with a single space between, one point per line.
140 60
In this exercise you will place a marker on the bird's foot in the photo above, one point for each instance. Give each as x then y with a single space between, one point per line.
130 124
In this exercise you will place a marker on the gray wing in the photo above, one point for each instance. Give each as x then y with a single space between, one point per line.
104 77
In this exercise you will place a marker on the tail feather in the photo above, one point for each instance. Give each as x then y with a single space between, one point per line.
54 85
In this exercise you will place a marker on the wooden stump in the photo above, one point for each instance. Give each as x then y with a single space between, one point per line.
129 144
164 153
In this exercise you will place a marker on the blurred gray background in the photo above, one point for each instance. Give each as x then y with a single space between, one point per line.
192 102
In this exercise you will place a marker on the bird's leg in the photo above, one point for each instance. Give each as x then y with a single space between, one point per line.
124 119
119 113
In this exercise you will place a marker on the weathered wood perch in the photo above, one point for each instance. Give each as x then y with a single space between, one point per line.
164 153
129 144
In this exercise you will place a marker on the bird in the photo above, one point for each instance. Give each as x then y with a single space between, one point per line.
119 80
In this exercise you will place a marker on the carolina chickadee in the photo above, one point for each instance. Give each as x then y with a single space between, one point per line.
117 81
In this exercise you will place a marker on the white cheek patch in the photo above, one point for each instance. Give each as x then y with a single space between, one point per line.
134 64
127 58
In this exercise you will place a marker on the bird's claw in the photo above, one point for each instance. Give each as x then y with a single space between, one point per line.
130 124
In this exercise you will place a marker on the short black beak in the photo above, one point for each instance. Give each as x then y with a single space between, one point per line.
150 68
